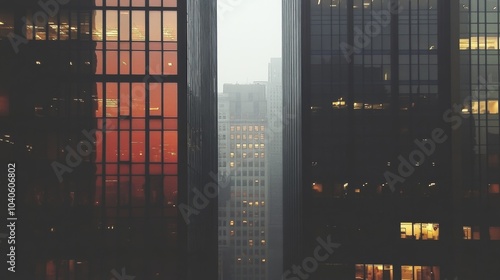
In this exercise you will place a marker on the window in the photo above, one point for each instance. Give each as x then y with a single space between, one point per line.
6 23
494 188
138 25
111 25
409 272
155 104
471 232
4 105
481 43
483 107
494 233
420 231
374 272
124 25
169 26
155 33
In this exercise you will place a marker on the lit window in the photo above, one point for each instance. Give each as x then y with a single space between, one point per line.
111 25
481 43
471 233
169 26
420 231
409 272
374 271
138 26
483 107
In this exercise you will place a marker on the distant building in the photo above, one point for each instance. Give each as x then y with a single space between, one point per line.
243 214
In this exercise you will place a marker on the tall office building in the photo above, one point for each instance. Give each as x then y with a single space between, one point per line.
108 109
393 155
243 210
274 96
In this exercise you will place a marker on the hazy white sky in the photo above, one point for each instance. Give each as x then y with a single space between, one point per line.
249 35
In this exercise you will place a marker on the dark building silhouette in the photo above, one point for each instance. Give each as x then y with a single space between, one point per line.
393 151
109 110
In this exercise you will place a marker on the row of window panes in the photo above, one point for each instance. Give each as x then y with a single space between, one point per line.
126 62
430 231
250 173
385 272
473 233
131 147
420 231
127 25
136 168
250 128
480 43
250 145
136 3
253 137
129 100
244 146
76 25
130 190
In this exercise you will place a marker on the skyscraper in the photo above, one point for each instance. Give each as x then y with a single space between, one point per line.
274 96
243 210
393 154
109 110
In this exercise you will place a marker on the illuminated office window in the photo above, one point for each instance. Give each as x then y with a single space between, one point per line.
409 272
483 107
419 231
374 272
479 43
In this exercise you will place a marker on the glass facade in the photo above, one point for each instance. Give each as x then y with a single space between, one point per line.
397 127
103 124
